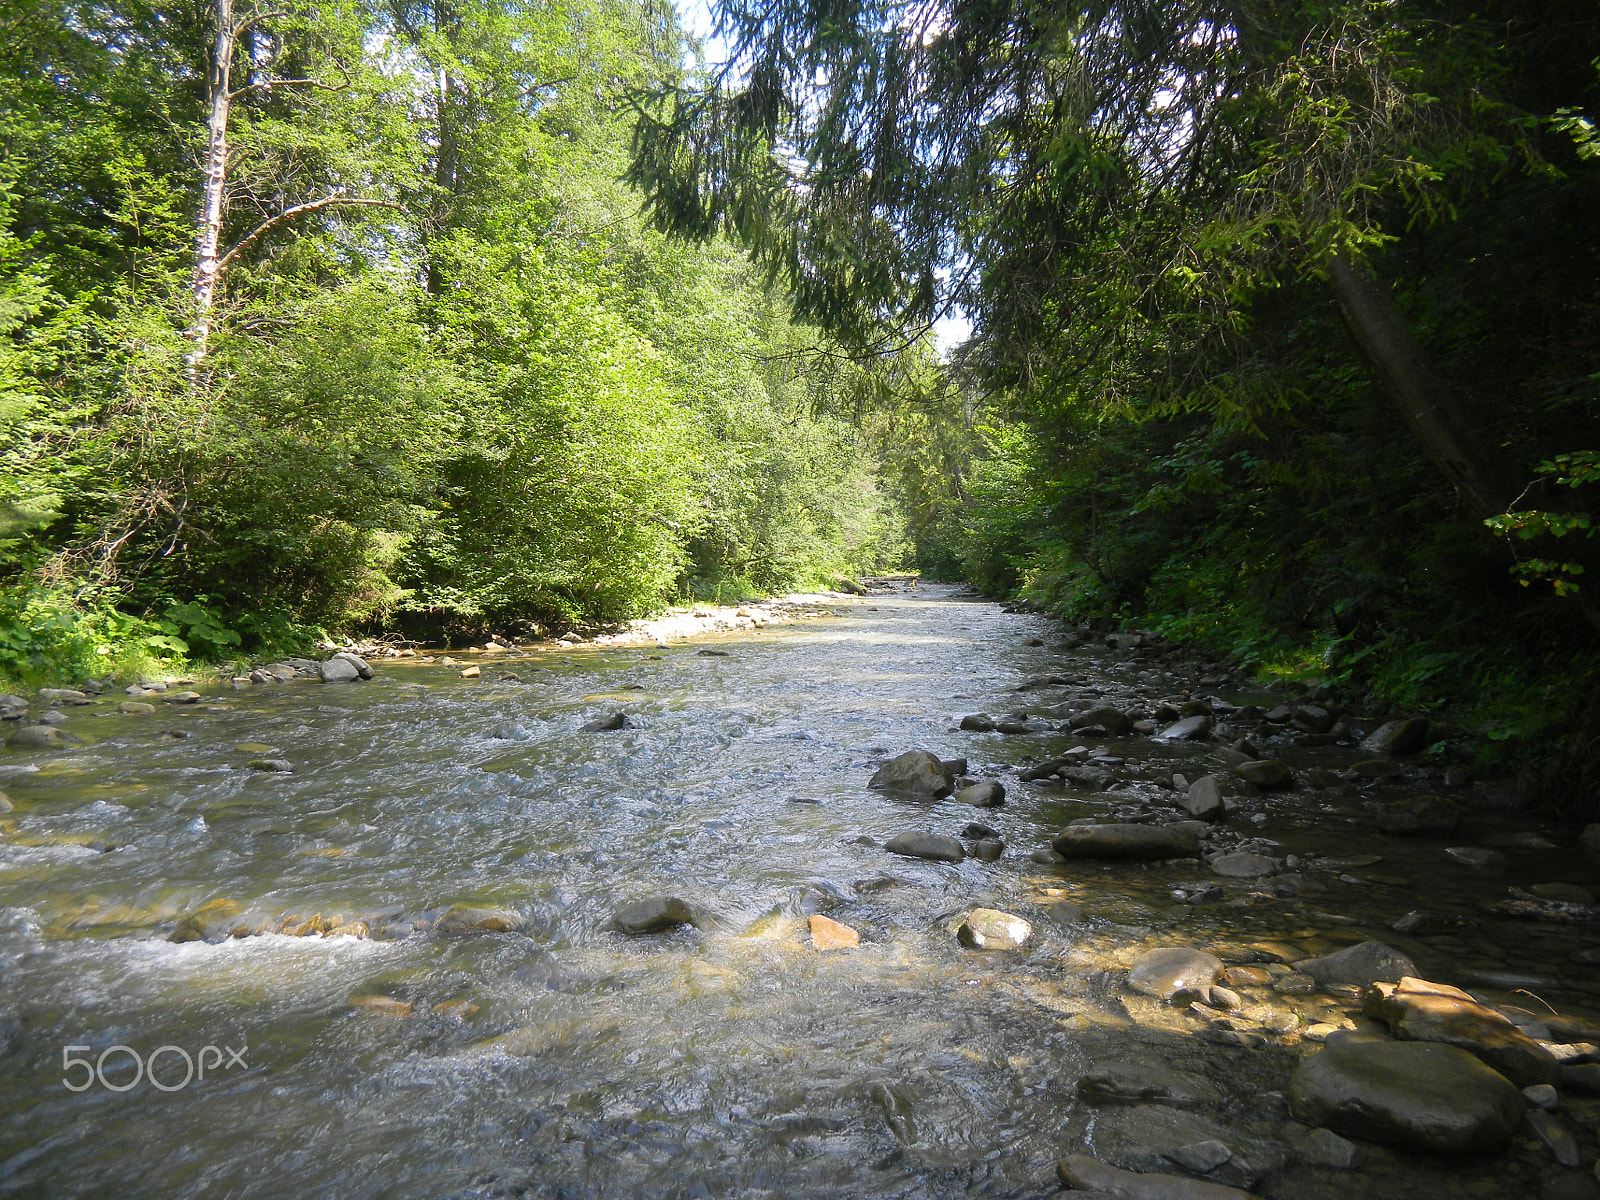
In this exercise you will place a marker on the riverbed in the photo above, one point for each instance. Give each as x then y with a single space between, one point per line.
523 1047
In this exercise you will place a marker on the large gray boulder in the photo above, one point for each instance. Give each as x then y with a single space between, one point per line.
1126 841
43 735
933 846
338 670
988 794
1204 799
914 773
1397 737
1411 1095
1417 1010
363 668
1361 965
1166 970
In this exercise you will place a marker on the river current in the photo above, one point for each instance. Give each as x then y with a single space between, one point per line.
554 1057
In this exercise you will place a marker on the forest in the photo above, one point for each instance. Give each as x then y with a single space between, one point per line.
435 319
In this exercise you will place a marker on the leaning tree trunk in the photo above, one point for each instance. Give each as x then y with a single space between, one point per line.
1424 399
208 241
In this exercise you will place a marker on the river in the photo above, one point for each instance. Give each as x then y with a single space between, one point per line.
546 1055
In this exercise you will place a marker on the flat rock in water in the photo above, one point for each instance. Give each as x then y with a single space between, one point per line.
1397 737
1204 800
1126 841
1115 722
1243 865
1092 1175
828 934
655 914
1169 969
914 773
1410 1095
270 764
987 794
43 735
1187 730
978 723
63 696
1361 965
493 920
1417 1010
1145 1083
616 720
991 929
1265 773
1420 816
934 846
136 708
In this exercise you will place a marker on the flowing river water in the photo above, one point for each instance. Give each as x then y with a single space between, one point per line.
559 1058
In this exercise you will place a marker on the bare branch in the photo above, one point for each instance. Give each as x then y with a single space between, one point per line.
289 214
267 84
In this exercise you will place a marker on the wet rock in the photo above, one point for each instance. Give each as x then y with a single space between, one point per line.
1091 1175
991 929
64 696
493 920
1066 913
1200 1158
1242 865
988 794
136 708
1410 1095
1312 718
1295 983
1417 1010
1589 839
978 723
1325 1148
338 670
1187 730
1361 965
1126 842
972 829
1114 722
914 773
43 735
1265 773
655 914
1164 971
1247 977
1551 1133
1204 799
5 804
1542 1095
828 934
713 653
1129 1082
471 673
53 717
954 767
616 720
934 846
382 1006
1583 1078
270 764
1397 737
988 849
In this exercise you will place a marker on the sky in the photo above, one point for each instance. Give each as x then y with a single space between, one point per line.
697 19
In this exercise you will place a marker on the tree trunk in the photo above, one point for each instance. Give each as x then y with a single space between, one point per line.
1424 399
208 242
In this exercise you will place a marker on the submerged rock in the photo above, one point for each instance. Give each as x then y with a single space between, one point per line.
1411 1095
1420 816
43 735
655 914
616 720
494 920
1126 841
914 773
1166 970
934 846
1361 965
991 929
1130 1082
828 934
